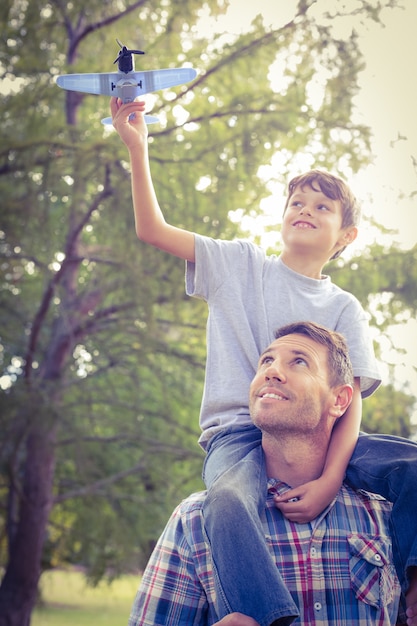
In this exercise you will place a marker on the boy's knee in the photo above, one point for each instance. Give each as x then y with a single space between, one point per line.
227 499
224 490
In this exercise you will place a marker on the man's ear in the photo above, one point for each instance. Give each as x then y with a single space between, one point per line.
341 400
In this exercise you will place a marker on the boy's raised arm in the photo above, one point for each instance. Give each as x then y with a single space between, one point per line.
151 226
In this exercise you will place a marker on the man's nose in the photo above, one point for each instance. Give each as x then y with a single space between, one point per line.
274 371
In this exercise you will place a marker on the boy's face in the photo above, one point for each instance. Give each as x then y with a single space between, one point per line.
314 221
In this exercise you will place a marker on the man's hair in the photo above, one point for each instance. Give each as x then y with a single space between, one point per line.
339 366
334 188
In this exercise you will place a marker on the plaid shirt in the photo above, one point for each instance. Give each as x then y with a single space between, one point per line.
338 568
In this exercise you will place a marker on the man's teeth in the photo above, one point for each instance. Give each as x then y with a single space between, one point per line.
273 395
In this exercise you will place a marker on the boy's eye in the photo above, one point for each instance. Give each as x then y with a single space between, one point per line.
323 207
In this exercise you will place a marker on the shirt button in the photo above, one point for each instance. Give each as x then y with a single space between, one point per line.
313 551
317 606
377 557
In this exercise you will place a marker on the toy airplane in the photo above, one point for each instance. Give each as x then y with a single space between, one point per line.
126 84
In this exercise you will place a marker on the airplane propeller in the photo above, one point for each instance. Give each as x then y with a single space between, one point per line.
125 59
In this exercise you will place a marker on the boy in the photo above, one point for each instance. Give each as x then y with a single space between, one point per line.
249 296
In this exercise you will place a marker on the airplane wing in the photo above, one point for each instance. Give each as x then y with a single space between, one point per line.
149 119
126 86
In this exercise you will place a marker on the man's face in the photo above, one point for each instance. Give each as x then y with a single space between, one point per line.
290 392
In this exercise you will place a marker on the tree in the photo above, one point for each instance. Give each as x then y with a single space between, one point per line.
102 357
387 411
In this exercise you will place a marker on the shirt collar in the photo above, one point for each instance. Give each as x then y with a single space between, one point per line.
276 486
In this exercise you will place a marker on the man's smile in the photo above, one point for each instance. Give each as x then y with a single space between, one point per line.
275 395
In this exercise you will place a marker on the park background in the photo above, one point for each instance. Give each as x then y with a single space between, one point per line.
102 353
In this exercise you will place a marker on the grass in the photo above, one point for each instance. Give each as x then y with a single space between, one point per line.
68 600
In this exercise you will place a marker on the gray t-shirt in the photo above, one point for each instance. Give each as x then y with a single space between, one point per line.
250 295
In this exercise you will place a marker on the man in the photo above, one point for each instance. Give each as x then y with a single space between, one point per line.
338 568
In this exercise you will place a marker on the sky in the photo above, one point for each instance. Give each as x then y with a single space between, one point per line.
386 103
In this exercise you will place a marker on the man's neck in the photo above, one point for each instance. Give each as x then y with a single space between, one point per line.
294 460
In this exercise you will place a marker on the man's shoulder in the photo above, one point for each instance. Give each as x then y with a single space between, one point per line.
191 505
188 523
360 497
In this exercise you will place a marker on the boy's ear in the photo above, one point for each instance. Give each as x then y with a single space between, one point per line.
349 235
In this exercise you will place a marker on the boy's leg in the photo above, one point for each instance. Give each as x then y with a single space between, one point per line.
247 579
387 465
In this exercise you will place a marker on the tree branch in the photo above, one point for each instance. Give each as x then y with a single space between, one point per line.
96 487
68 261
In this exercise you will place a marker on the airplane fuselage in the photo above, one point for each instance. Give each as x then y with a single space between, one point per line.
127 89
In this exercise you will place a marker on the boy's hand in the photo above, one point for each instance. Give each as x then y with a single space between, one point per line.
304 503
128 120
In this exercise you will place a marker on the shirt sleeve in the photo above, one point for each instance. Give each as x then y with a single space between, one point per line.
221 261
170 591
354 326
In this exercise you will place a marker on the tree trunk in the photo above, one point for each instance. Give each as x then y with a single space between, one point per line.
18 591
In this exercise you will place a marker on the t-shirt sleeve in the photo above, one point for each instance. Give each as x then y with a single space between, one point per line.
217 261
354 326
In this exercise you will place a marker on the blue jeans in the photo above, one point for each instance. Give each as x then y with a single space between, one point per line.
246 577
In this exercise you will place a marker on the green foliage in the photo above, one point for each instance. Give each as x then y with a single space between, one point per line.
96 331
386 412
384 280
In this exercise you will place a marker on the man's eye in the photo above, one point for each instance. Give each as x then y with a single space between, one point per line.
266 360
300 361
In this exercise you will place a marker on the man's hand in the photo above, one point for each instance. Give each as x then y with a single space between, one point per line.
237 619
411 615
129 122
411 599
304 503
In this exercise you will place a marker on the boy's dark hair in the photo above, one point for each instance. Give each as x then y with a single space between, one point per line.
338 361
333 187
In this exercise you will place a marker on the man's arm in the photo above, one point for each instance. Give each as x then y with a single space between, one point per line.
151 226
171 591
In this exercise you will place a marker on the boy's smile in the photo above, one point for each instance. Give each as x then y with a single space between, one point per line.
303 224
312 228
